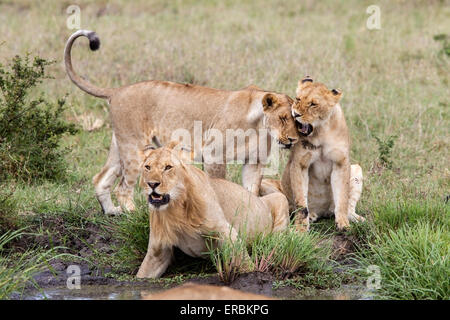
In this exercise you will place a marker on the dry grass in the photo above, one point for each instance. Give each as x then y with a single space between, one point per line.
395 81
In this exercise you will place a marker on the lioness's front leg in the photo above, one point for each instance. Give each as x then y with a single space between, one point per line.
155 262
340 179
299 179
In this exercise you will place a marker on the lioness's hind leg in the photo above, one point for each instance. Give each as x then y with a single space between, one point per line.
356 184
279 207
104 180
131 162
269 186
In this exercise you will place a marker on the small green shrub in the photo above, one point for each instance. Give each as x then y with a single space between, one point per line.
30 128
445 40
385 149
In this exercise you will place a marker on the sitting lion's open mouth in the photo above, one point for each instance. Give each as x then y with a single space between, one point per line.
157 199
304 128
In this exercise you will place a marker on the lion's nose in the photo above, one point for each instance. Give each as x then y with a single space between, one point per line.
153 185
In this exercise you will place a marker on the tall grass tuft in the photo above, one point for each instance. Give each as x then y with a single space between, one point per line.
290 252
132 230
229 259
285 254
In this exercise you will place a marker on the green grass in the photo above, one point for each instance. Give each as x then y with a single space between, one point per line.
395 82
230 259
300 258
413 261
410 244
289 252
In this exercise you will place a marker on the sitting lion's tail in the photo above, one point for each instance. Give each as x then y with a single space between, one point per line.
94 44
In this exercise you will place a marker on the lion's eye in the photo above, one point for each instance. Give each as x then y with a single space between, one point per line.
297 99
168 167
147 167
312 105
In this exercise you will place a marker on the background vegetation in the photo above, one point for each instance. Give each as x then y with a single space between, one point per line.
396 100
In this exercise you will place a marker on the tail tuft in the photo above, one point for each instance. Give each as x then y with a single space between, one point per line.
86 86
94 41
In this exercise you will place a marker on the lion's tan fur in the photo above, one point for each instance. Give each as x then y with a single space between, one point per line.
191 291
200 206
150 111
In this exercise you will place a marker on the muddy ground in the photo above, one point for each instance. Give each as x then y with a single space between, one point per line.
56 276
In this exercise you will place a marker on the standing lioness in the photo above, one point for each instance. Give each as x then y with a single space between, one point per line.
152 111
186 205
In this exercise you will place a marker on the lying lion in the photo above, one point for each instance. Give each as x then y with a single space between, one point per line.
191 291
151 111
318 179
186 205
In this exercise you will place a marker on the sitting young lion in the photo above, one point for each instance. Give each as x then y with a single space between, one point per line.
318 179
152 111
186 205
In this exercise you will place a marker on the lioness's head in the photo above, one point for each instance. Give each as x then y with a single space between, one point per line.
161 172
278 119
313 105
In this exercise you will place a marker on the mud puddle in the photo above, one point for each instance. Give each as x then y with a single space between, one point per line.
91 292
98 287
116 292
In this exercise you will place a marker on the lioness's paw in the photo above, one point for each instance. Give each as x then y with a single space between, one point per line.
302 220
302 227
313 217
343 225
114 212
356 218
130 206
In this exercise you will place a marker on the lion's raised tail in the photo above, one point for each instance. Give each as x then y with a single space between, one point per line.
94 44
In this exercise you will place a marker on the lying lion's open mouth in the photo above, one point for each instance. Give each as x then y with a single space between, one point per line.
157 199
285 145
304 128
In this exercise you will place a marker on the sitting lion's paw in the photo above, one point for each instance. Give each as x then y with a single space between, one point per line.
302 220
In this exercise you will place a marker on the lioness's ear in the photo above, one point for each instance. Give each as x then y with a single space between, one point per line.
303 83
269 101
337 94
147 151
306 79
